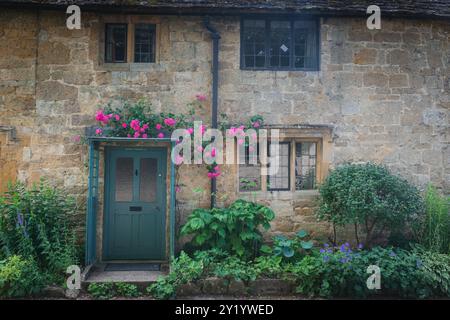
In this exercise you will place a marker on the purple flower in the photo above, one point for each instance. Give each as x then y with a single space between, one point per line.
360 246
322 250
326 258
392 254
19 219
326 245
343 248
329 251
343 260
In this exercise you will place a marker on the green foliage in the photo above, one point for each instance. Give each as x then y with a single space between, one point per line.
234 229
292 248
37 224
435 270
102 291
127 290
183 270
19 277
269 266
234 268
369 197
342 273
436 227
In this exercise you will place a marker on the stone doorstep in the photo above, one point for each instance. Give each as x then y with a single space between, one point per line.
216 286
142 279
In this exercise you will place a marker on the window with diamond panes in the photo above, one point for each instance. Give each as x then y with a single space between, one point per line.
305 165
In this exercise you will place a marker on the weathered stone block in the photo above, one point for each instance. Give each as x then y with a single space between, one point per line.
365 56
373 79
270 287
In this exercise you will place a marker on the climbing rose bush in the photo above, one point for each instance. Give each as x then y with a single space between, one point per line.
140 122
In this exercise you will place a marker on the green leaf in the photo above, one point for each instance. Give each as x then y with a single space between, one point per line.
266 249
288 252
302 233
307 245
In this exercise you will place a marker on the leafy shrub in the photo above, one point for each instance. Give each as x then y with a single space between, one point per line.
269 266
102 291
127 289
342 273
19 277
234 268
36 224
289 248
183 270
234 229
436 227
435 270
369 197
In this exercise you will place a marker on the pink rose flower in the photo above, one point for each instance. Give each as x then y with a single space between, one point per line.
217 168
129 135
100 117
160 135
145 136
145 126
135 124
98 131
256 124
200 97
158 126
203 129
190 130
117 117
178 160
137 134
169 122
124 125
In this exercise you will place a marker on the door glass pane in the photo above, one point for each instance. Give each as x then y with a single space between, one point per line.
124 179
148 179
144 39
116 43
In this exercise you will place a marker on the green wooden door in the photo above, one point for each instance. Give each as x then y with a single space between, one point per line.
135 205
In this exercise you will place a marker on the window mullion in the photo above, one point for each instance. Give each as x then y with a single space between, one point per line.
267 44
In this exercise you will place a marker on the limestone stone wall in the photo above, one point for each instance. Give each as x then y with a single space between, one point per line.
385 93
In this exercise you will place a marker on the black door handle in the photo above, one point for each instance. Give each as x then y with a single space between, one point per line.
133 208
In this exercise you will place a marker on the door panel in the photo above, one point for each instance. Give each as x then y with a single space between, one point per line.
135 205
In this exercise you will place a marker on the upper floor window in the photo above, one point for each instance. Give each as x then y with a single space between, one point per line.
129 43
279 44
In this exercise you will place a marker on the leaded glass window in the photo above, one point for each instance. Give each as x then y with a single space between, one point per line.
280 44
305 165
116 42
144 43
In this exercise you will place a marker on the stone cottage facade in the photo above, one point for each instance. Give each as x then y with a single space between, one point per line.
374 95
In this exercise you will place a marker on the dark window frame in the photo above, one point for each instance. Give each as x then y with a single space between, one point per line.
269 188
292 20
126 42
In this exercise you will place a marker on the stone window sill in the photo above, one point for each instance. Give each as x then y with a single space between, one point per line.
288 195
130 67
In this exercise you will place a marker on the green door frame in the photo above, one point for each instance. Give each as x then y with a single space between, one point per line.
111 153
92 203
